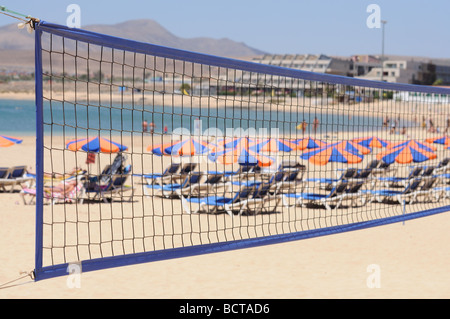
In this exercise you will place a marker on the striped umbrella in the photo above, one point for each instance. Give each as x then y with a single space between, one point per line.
274 145
309 143
233 142
6 141
243 153
445 140
423 145
185 147
371 142
95 145
354 147
332 153
407 152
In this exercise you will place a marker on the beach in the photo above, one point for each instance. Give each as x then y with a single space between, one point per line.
412 257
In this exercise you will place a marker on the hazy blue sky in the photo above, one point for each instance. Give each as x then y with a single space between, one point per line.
334 27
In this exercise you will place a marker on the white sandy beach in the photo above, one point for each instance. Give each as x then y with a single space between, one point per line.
412 258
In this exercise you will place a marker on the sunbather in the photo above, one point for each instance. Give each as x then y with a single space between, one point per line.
64 187
54 175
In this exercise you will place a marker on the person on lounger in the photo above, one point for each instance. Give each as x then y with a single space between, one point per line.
65 187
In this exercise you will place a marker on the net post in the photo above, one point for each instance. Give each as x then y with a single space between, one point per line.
39 152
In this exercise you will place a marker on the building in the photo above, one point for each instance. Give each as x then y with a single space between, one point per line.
318 63
363 64
410 71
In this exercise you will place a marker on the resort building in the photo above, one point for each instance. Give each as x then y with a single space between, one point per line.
410 72
318 63
363 64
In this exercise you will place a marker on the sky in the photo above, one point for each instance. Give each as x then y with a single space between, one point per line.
332 27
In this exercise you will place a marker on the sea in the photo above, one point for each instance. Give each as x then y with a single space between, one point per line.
18 118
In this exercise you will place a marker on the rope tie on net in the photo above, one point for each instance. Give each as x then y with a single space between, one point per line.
27 20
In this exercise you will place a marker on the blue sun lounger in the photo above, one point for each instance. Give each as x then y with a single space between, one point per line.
401 196
301 199
161 178
393 180
170 190
217 204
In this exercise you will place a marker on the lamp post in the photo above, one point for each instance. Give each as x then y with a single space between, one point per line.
383 22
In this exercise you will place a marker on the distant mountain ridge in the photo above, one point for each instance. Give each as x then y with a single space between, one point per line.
150 31
17 46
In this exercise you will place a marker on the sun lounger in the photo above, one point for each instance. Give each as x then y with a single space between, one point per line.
4 172
383 169
373 164
244 171
164 177
180 176
16 175
56 194
401 196
292 183
186 169
301 199
174 189
274 180
217 204
270 200
115 188
427 190
329 183
354 193
213 184
444 165
403 181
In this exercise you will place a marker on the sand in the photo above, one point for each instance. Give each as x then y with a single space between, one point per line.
412 258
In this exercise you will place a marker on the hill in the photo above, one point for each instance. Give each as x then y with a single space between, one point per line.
16 46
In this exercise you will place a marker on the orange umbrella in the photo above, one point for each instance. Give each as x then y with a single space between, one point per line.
445 140
6 141
274 145
371 141
332 153
407 152
186 147
95 145
308 143
239 150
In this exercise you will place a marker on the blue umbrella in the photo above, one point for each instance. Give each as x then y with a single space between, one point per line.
332 153
185 147
9 140
407 152
95 145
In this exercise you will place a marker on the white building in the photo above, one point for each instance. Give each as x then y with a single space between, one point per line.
399 71
318 63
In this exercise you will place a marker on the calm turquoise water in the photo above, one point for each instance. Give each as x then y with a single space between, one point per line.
18 118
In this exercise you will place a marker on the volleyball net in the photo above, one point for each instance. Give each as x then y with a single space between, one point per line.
147 153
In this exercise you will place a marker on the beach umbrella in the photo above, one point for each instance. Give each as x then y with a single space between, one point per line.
407 152
309 143
423 145
242 153
233 142
185 147
420 144
158 149
274 145
354 147
371 142
332 153
6 141
95 145
445 140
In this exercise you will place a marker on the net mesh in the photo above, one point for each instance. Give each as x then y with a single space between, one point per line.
150 151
